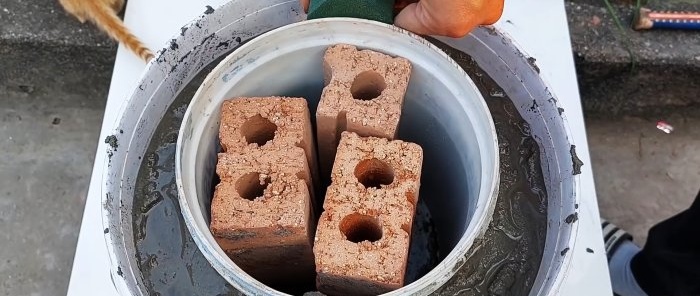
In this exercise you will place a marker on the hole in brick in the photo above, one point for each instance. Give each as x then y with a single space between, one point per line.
258 130
374 173
358 228
250 187
367 85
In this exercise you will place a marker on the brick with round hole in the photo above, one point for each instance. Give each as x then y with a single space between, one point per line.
363 235
261 213
267 123
364 93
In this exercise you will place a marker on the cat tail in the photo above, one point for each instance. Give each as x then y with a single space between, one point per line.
108 21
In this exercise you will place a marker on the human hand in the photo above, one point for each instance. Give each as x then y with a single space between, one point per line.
452 18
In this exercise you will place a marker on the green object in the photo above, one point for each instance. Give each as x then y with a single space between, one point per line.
376 10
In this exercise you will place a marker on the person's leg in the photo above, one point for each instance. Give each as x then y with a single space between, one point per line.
669 263
620 249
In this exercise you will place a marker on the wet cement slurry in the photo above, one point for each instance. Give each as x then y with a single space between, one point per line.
169 259
504 261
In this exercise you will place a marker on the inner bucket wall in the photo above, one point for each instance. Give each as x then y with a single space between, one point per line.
444 112
445 187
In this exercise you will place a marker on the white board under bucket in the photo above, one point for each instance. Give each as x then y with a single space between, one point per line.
287 61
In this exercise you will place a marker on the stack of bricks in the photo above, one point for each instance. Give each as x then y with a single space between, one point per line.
263 209
364 94
262 212
363 235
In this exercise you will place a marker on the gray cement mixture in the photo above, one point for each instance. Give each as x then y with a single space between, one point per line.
504 261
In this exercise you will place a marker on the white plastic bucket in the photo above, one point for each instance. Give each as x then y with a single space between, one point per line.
211 36
444 113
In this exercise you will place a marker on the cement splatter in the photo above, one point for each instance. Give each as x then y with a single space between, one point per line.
577 162
534 107
112 141
564 251
532 61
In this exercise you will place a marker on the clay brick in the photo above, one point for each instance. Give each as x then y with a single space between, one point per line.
362 240
364 93
262 214
263 123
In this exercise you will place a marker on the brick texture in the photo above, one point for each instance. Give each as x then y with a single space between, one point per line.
262 210
362 241
364 93
267 123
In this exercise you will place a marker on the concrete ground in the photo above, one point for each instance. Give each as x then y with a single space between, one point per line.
642 174
47 147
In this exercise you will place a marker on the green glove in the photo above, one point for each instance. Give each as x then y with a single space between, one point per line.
376 10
